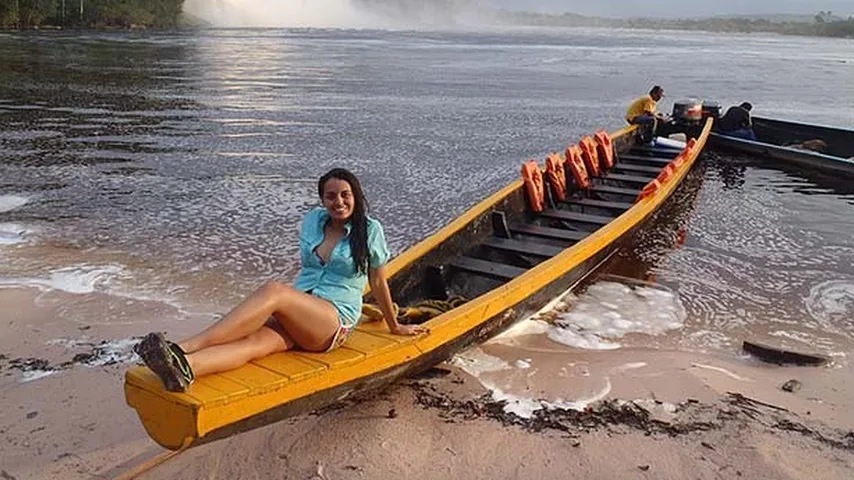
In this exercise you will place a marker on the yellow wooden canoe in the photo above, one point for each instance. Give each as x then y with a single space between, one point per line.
506 278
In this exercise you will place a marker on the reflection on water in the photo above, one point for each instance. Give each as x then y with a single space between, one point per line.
741 252
767 254
180 163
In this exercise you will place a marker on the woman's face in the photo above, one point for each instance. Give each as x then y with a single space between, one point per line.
338 199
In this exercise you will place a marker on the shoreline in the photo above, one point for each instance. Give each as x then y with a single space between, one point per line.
676 27
674 413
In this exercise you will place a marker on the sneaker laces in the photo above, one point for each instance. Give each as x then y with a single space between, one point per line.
179 359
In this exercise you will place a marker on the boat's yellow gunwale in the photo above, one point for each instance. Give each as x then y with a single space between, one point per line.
449 325
214 412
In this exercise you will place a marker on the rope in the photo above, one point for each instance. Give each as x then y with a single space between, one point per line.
155 462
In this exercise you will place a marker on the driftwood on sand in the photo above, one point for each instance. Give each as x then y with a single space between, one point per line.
781 356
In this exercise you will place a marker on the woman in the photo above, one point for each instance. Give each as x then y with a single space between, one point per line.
341 250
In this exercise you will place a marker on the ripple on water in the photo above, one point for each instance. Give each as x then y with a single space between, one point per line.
11 202
831 304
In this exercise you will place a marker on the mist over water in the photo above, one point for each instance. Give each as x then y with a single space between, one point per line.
330 13
279 13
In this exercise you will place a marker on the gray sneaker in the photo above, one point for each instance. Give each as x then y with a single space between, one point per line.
167 362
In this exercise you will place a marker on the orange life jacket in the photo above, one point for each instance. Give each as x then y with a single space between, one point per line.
681 158
605 148
556 175
588 153
691 144
576 166
648 190
534 186
666 174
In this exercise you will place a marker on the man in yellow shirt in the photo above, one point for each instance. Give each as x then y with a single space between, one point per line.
642 111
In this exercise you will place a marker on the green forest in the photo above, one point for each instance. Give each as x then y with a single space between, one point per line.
823 24
90 13
29 14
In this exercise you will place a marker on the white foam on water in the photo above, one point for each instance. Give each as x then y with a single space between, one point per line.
115 351
653 405
582 403
721 370
31 375
13 233
523 364
475 362
583 340
526 407
105 352
831 303
529 326
532 325
79 279
629 366
11 202
111 279
519 406
611 310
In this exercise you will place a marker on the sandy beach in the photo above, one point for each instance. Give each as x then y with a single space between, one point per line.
666 414
149 180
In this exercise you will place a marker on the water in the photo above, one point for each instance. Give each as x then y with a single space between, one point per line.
174 167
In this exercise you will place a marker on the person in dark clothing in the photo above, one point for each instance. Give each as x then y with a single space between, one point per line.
736 122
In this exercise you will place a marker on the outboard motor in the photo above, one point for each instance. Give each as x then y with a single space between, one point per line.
711 109
687 112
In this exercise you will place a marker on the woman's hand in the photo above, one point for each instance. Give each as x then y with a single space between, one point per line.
379 287
409 330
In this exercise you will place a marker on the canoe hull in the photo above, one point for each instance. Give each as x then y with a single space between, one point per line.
481 333
285 384
773 136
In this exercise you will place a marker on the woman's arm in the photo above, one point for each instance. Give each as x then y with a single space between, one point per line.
382 294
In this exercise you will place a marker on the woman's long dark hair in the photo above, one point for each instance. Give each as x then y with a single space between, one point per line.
359 219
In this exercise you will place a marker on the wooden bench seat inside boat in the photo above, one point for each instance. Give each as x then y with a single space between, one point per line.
523 247
623 178
486 268
657 150
576 217
633 192
637 169
589 202
659 161
546 232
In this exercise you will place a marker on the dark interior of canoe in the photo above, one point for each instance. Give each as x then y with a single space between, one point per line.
840 142
503 243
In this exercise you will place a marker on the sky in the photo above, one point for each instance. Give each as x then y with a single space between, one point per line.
677 8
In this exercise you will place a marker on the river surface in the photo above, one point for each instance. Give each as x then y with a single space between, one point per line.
174 167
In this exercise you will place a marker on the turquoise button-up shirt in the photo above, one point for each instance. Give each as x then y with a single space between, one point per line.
337 281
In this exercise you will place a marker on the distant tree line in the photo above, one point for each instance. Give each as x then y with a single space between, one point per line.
824 23
835 28
167 14
90 13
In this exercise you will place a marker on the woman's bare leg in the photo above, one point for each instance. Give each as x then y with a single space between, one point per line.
299 319
228 356
308 320
310 323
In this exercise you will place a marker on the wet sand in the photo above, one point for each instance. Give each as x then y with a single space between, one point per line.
667 414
